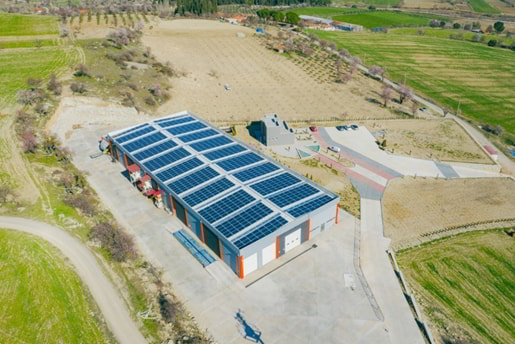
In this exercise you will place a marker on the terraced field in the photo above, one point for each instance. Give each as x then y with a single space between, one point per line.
23 25
477 77
466 285
373 19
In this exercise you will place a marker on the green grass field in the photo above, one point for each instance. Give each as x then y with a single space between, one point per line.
28 43
482 6
42 298
386 19
326 12
478 77
445 33
466 282
381 3
25 25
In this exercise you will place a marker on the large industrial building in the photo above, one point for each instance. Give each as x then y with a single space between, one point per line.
247 208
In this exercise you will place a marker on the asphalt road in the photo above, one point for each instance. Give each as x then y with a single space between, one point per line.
106 296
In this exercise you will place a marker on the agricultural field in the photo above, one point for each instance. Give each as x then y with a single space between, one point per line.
326 12
465 284
23 25
445 33
373 19
379 3
481 6
26 43
434 67
418 206
43 297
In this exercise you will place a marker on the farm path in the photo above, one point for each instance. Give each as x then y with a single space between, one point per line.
111 304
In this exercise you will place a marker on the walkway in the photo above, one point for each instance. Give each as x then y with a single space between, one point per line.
106 296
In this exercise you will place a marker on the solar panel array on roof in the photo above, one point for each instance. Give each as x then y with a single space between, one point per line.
172 122
239 161
223 152
197 135
210 143
185 128
226 205
244 219
144 141
192 180
166 159
208 191
131 129
178 169
308 206
260 232
134 134
293 195
256 171
274 184
154 150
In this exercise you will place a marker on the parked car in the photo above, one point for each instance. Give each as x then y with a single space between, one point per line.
334 149
354 127
342 127
423 109
313 129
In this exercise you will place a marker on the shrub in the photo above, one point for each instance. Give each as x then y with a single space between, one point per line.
5 191
434 23
29 141
115 241
33 83
78 87
456 25
81 70
83 203
54 85
133 86
29 97
155 90
168 309
492 43
150 101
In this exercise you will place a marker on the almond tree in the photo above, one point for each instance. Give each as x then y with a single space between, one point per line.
387 94
405 93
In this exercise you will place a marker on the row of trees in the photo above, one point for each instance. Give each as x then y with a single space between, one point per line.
279 17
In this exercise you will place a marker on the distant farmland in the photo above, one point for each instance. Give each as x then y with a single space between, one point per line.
477 77
22 25
466 285
482 6
387 19
325 12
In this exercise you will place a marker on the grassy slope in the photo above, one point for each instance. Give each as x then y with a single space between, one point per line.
482 6
385 19
23 25
448 71
43 297
445 33
467 281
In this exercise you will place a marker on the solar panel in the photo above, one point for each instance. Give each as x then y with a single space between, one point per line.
273 184
178 169
198 135
131 129
192 180
239 161
308 206
208 191
134 134
223 152
186 128
256 171
226 206
157 149
144 141
171 122
210 143
293 195
260 232
244 219
166 159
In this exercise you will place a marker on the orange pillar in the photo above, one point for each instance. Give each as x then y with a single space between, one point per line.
277 247
174 207
240 263
125 161
202 232
337 219
310 229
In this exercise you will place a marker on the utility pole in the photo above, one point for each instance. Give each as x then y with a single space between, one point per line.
458 110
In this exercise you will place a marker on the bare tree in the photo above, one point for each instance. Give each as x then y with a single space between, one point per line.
81 70
414 108
54 85
5 191
323 43
33 83
332 45
280 34
78 87
405 93
113 239
347 77
375 70
29 141
344 53
387 94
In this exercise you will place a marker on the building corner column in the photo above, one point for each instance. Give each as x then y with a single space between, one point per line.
337 218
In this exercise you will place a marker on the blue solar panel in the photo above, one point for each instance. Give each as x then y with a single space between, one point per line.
178 169
273 184
166 159
239 161
293 195
144 141
260 232
226 206
186 128
171 122
210 143
131 129
157 149
308 206
223 152
198 135
134 134
256 171
244 219
208 191
192 180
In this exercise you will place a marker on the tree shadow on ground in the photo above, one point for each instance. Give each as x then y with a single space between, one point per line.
249 331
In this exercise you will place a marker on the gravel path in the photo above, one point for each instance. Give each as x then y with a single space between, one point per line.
106 296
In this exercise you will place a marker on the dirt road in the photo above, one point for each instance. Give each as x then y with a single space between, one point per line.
109 301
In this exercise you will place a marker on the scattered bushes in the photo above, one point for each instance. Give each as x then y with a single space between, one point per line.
83 203
168 309
29 97
81 70
78 87
497 130
54 85
29 141
118 243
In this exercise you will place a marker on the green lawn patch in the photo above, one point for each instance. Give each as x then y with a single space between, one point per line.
42 298
27 25
326 12
28 43
482 6
477 77
466 282
387 19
